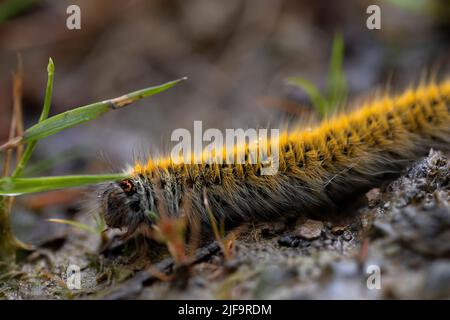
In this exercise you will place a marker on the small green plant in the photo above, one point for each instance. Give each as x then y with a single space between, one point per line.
336 91
14 184
226 242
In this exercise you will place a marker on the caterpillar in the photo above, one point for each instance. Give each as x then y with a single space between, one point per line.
341 158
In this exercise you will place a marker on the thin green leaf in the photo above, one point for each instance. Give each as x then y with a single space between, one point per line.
83 114
43 166
318 101
11 187
75 224
99 222
48 90
337 88
44 115
11 8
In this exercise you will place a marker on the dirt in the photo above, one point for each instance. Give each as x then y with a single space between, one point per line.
401 232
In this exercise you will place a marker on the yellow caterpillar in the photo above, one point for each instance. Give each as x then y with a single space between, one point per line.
320 168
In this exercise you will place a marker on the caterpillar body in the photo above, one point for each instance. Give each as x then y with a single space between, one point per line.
341 158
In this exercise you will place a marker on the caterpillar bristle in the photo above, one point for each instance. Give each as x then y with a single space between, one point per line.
344 156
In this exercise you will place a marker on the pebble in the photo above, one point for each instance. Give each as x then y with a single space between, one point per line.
373 197
347 235
310 230
286 241
337 230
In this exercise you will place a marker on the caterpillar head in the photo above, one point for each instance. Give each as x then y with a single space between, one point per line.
126 204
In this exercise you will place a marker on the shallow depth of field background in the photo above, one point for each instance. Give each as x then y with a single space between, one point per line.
237 55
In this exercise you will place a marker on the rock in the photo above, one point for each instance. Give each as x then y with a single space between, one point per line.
310 230
286 241
338 230
373 197
347 235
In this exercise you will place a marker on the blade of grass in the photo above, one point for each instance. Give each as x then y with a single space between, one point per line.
9 152
45 165
219 234
16 125
17 103
83 114
337 89
319 102
75 224
11 8
44 115
211 217
8 242
10 186
417 6
87 113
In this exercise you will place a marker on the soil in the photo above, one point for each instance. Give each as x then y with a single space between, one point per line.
401 233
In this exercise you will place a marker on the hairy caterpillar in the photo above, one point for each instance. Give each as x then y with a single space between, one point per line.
341 158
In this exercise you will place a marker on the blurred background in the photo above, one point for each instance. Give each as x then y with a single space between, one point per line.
237 55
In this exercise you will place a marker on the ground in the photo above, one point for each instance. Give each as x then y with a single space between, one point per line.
401 231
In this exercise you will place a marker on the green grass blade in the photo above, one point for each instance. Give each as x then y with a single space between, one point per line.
44 115
45 165
10 186
75 224
64 120
417 6
99 223
11 8
83 114
337 87
48 90
318 101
